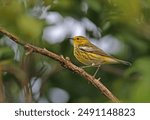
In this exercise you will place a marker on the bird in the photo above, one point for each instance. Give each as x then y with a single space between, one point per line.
91 55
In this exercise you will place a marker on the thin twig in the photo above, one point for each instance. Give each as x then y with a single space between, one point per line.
65 62
22 79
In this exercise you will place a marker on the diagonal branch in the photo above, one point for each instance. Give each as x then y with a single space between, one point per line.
65 62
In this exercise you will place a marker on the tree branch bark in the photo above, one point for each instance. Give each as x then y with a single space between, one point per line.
65 62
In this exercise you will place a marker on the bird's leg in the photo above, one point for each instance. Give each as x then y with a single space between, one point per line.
96 70
86 66
92 65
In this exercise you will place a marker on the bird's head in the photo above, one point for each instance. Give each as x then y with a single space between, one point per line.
79 40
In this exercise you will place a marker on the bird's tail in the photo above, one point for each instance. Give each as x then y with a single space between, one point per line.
123 62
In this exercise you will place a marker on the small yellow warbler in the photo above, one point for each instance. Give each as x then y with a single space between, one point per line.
90 55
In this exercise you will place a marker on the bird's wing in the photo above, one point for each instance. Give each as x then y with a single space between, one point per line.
93 49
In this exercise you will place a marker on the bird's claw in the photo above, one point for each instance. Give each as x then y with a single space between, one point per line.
98 79
67 58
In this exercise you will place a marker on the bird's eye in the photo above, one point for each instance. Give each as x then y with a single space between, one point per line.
77 38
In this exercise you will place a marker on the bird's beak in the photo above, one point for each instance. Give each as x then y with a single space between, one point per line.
70 38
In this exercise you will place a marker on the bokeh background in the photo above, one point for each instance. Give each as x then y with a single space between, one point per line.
119 27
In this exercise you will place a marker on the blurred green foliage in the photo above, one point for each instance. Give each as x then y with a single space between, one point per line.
126 20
